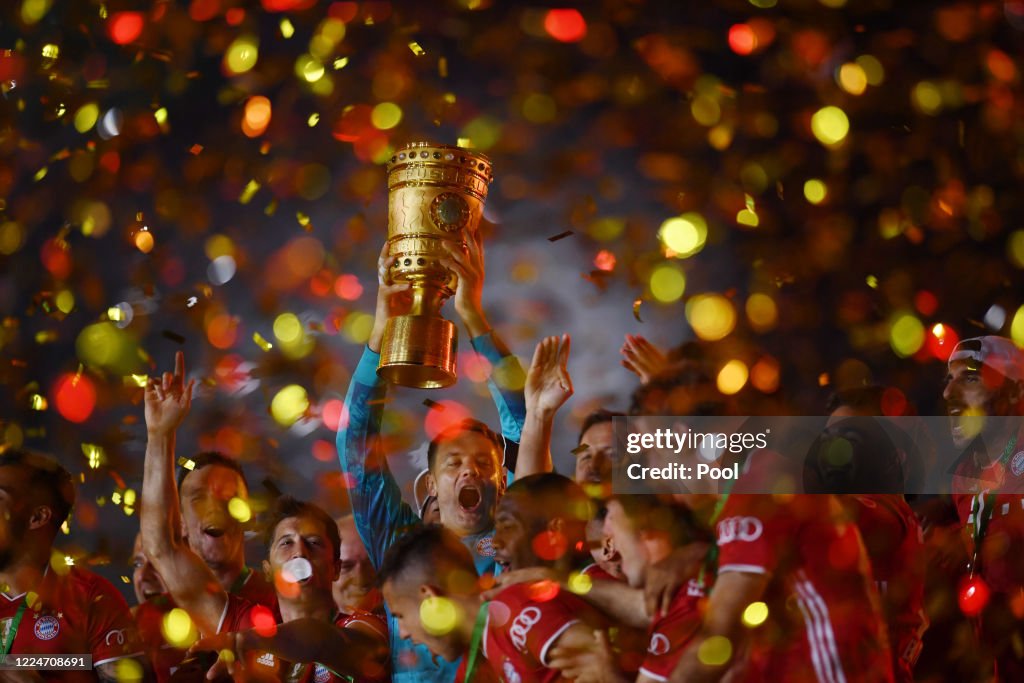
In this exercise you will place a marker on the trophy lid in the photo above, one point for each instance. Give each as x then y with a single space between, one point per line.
434 154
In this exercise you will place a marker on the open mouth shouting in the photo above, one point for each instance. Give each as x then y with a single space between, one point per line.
470 497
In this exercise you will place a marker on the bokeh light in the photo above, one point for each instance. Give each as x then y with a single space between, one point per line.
438 615
178 628
74 396
732 377
755 614
684 235
711 316
830 125
289 404
667 283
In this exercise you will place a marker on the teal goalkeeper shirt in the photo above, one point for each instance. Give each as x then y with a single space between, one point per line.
381 515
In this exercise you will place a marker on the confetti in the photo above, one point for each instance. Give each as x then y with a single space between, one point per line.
416 49
560 236
579 449
636 309
173 336
247 194
433 405
261 342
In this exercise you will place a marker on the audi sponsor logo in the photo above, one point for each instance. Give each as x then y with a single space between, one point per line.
745 529
659 644
521 626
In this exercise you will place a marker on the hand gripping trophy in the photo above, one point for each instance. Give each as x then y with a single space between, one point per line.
436 195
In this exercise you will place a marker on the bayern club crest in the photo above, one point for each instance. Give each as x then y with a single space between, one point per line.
1017 464
485 546
321 674
47 627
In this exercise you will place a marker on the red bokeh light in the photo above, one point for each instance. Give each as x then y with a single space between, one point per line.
926 303
347 287
203 10
444 415
605 260
74 397
335 415
894 403
974 596
263 621
324 451
234 16
125 27
542 591
550 545
56 258
941 340
565 25
742 39
287 5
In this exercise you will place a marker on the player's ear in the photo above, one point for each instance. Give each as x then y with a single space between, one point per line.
431 485
556 524
40 517
428 591
268 572
502 481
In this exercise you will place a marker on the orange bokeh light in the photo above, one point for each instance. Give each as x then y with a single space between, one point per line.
74 397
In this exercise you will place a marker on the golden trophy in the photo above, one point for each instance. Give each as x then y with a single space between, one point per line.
436 194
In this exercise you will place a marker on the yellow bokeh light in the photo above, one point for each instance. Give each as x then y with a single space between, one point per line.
732 377
482 132
852 78
762 312
34 10
606 229
667 283
706 110
178 628
815 191
1017 327
720 137
239 509
539 108
12 236
241 54
219 245
906 334
287 328
86 117
289 404
755 614
65 301
715 651
711 316
830 125
357 327
873 69
927 97
309 68
685 235
128 670
386 115
438 615
580 583
1015 248
748 217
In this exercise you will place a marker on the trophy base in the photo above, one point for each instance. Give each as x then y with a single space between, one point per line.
419 351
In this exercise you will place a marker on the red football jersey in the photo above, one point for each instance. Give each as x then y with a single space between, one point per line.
268 663
482 674
671 632
73 612
256 589
895 545
825 619
522 627
166 658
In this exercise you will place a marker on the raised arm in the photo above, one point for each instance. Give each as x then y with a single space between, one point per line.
377 505
505 381
548 387
189 581
359 653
